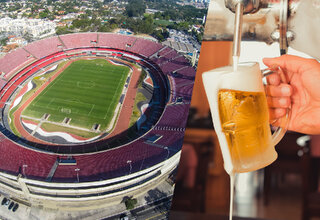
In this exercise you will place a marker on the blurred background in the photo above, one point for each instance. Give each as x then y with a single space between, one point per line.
287 189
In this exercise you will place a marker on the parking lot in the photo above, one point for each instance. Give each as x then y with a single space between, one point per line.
10 209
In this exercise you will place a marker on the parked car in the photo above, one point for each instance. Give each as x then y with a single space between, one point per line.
4 200
15 207
11 205
124 217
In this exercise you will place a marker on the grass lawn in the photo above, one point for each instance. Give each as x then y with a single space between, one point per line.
139 98
87 91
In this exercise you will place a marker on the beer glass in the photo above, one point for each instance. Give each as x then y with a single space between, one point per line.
240 116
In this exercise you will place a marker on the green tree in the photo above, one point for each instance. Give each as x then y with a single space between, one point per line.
135 8
130 203
146 26
62 30
25 15
4 41
43 15
161 34
105 28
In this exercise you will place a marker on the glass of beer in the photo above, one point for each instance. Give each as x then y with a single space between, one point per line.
241 118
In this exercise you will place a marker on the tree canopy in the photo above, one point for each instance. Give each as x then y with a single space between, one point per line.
135 8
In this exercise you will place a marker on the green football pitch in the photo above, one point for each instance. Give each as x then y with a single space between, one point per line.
87 92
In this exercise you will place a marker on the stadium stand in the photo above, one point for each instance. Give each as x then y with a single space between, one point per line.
145 47
13 158
44 47
107 165
185 90
79 40
172 116
13 61
170 137
174 65
187 73
164 51
9 88
166 58
117 41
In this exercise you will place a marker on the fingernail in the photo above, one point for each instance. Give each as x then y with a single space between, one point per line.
285 90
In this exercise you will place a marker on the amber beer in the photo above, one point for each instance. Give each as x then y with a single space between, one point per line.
240 116
245 122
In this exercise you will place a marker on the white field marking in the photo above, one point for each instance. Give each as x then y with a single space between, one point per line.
51 84
66 110
118 108
117 64
18 100
63 135
37 127
145 80
77 101
63 109
113 97
111 123
144 107
51 69
60 124
48 87
74 111
47 106
92 108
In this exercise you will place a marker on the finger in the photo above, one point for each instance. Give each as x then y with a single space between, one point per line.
276 113
290 63
276 102
279 91
284 61
273 79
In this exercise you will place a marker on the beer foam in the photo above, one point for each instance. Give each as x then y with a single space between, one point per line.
247 77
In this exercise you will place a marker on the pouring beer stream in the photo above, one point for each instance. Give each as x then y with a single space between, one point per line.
236 54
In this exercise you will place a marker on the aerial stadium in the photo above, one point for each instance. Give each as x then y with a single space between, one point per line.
90 116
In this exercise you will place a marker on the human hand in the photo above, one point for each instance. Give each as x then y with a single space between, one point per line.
301 94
